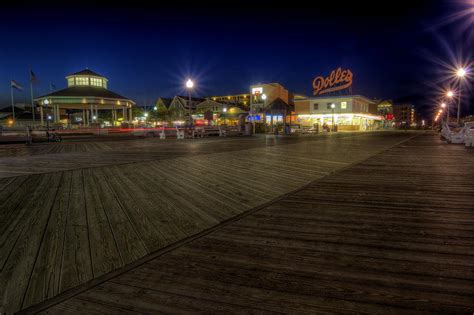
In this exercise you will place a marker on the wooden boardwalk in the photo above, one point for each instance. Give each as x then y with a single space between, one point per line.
392 234
81 213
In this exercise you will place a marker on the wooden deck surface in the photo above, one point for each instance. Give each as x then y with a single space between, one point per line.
85 209
391 234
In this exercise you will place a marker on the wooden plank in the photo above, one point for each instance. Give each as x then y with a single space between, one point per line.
17 270
76 263
103 247
126 193
45 277
129 243
343 244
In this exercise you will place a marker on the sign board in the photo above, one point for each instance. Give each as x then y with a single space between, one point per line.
257 91
253 118
338 80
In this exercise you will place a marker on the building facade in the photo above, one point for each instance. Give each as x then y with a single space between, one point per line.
350 112
404 115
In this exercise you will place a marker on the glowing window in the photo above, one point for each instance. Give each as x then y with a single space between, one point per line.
96 82
70 81
343 105
82 81
315 106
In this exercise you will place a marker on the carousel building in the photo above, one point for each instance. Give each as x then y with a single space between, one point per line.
85 96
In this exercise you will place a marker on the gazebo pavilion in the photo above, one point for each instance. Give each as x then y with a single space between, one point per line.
86 91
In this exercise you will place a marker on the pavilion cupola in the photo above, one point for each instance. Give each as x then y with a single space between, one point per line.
87 78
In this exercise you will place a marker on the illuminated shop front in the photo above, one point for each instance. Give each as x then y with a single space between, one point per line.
349 112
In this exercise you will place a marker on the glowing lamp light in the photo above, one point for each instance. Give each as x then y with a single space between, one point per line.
461 72
264 96
155 108
443 105
333 105
450 94
224 109
146 114
189 84
94 117
440 111
49 117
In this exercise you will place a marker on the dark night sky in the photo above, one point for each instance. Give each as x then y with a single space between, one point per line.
149 52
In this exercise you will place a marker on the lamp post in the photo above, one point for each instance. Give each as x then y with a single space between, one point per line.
460 73
443 105
333 106
264 97
189 86
46 102
224 110
450 95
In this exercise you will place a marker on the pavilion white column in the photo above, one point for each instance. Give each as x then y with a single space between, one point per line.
56 113
41 115
130 115
83 117
91 117
97 112
124 113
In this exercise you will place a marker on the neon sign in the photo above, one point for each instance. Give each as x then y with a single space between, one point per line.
338 80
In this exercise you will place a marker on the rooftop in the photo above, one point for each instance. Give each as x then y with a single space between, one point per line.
86 72
85 91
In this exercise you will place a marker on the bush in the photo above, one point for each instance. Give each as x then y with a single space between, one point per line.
259 128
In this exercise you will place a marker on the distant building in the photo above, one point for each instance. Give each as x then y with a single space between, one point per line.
234 99
264 94
23 116
404 115
180 107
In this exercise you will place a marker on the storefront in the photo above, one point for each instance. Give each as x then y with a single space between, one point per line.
347 113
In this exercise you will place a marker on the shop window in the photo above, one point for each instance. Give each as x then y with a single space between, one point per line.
315 106
343 105
329 106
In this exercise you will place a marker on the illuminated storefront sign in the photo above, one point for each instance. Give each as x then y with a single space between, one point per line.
257 90
338 80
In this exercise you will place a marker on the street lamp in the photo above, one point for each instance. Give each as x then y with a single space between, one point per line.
461 72
333 106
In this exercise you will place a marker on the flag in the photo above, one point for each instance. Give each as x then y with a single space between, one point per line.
32 76
52 87
16 85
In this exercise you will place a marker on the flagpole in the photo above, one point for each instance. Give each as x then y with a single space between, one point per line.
32 102
13 104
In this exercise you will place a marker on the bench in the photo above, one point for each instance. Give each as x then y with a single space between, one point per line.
179 133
